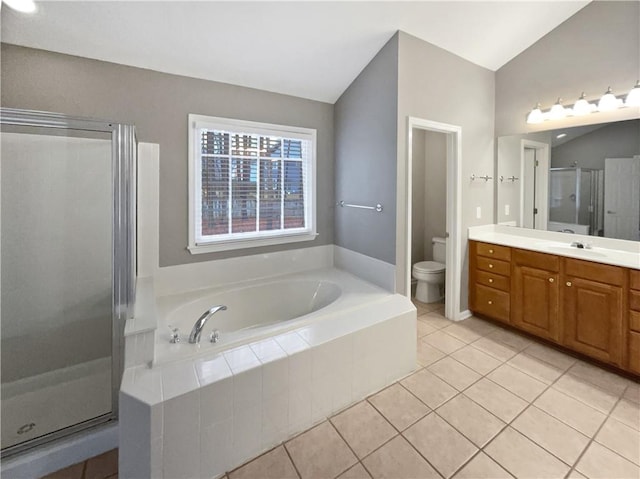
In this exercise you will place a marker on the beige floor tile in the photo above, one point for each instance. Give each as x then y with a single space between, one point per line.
71 472
601 463
586 392
570 411
627 412
429 388
495 348
274 464
444 447
496 399
477 360
356 472
455 373
555 436
551 356
364 428
424 328
517 382
427 354
523 458
511 339
633 393
535 367
621 439
475 422
435 320
398 460
575 475
102 466
478 325
462 333
601 378
399 406
444 342
482 467
426 307
320 452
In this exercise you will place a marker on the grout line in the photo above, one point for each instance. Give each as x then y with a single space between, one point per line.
347 443
295 468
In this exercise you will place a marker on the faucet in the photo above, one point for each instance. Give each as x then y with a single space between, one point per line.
194 337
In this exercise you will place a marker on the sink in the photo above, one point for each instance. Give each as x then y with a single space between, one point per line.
572 250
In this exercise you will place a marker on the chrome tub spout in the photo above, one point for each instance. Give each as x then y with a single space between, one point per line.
194 337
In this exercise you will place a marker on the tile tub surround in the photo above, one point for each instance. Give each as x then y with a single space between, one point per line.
203 416
613 251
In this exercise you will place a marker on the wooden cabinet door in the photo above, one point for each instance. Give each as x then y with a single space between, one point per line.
535 301
593 314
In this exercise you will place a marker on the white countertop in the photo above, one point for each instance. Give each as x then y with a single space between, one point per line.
603 250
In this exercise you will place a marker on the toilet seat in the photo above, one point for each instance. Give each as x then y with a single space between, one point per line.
429 267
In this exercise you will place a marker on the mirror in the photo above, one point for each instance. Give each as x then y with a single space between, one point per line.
583 180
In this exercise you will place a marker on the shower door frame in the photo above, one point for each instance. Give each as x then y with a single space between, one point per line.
123 166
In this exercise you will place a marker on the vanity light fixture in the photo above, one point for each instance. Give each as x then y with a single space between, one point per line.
24 6
633 98
608 102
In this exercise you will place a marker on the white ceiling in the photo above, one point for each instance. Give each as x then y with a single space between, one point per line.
306 49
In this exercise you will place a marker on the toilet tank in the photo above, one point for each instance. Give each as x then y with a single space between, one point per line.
439 250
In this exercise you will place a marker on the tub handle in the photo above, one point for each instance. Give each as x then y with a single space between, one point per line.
214 337
175 335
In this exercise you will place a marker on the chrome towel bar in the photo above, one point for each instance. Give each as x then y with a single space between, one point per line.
377 207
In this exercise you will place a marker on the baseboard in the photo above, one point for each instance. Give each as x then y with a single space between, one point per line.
464 315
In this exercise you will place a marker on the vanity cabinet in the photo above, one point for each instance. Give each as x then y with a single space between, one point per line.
535 293
634 322
588 307
593 309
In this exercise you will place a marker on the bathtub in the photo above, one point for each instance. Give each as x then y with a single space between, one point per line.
292 351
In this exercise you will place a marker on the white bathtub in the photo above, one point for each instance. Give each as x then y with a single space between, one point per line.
292 351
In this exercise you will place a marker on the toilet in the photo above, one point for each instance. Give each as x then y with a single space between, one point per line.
430 274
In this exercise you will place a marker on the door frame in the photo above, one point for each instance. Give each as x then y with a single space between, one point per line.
541 181
453 214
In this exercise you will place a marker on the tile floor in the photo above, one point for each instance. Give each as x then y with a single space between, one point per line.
483 402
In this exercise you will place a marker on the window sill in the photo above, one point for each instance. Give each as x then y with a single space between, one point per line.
252 243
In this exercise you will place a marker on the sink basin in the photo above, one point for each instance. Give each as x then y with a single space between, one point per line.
587 253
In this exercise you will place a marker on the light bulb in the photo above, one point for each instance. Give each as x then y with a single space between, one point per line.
535 115
24 6
633 98
557 111
608 101
582 106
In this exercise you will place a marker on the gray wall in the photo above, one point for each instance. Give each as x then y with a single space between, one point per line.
597 47
435 185
436 85
158 104
616 140
365 152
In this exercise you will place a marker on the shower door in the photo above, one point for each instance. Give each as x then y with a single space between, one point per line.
66 273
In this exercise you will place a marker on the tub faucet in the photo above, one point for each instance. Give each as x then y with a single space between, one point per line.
194 337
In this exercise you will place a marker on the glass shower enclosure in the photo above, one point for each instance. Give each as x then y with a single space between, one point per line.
576 198
67 256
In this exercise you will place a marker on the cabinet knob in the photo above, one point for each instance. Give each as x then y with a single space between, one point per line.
490 266
568 283
551 280
490 302
491 251
490 280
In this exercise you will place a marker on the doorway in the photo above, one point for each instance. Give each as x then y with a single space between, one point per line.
534 192
453 214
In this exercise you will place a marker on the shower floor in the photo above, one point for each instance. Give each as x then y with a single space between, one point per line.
35 406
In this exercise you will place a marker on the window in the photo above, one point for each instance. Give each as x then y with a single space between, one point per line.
250 184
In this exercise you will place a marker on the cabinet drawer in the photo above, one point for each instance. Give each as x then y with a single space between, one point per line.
493 251
493 280
493 266
634 352
536 260
492 302
603 273
634 279
634 321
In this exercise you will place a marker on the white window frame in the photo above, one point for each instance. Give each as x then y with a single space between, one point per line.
229 242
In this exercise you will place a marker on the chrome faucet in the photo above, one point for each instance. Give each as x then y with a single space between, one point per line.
194 337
